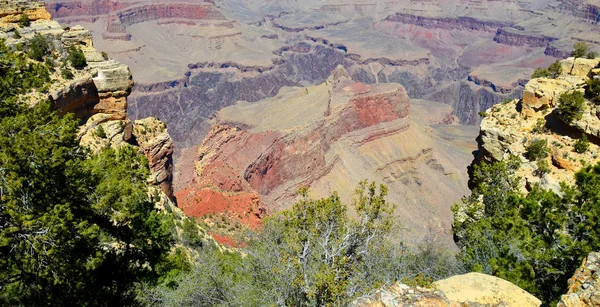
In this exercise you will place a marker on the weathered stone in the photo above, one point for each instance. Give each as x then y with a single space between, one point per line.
156 144
112 77
11 12
584 286
468 290
495 140
78 36
543 93
582 67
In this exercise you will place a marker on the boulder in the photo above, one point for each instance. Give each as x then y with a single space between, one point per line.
582 67
494 140
468 290
477 288
543 93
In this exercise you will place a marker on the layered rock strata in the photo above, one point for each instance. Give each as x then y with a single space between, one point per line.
327 137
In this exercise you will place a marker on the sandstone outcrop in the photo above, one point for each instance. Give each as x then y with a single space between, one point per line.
486 290
469 290
584 286
507 129
11 10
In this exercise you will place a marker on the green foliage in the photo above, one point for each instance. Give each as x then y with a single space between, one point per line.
100 132
553 71
540 126
73 231
39 47
191 237
314 254
24 20
482 114
65 72
580 49
18 75
542 168
571 105
536 150
540 73
76 57
582 145
17 34
591 55
592 90
104 55
535 241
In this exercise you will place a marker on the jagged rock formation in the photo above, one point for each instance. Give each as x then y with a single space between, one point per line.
508 128
584 286
329 137
469 290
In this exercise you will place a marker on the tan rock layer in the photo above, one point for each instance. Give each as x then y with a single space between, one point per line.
468 290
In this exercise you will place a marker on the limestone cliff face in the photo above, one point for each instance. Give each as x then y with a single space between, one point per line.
469 290
508 128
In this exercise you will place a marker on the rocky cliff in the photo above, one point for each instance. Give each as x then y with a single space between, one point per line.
507 129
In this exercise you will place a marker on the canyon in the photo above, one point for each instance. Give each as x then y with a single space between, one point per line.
219 74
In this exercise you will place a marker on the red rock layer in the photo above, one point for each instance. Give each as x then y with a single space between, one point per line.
301 157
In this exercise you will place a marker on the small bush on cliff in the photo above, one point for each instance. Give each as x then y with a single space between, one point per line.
39 47
580 49
537 150
553 71
592 55
540 73
571 105
542 168
540 126
535 241
18 75
76 57
592 90
65 72
24 20
582 145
